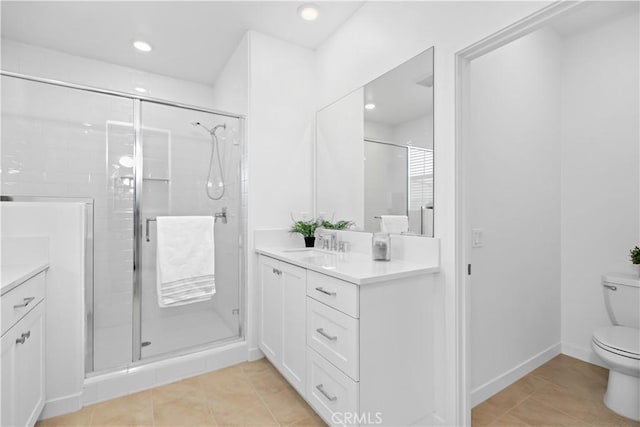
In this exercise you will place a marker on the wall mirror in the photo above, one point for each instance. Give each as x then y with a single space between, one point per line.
374 151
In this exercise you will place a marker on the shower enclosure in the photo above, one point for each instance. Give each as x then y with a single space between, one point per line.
136 159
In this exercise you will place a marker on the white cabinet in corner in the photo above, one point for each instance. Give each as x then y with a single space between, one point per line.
23 352
282 318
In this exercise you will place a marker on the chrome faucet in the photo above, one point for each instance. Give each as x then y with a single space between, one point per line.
329 240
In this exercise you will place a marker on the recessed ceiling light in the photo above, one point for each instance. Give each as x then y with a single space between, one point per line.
370 106
142 46
141 89
87 124
308 12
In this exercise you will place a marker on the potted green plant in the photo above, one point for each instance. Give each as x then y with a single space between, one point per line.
634 255
339 225
307 229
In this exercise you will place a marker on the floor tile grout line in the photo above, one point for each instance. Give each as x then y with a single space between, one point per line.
561 411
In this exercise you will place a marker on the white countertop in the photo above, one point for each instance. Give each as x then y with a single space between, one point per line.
15 274
353 267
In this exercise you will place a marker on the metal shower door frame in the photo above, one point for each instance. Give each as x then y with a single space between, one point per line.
138 185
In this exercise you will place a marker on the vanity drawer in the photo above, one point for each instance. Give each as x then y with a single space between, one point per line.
334 335
329 391
334 292
19 301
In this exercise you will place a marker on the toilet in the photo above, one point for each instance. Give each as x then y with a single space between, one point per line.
619 345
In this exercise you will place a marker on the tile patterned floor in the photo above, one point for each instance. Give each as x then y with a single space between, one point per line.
563 392
249 394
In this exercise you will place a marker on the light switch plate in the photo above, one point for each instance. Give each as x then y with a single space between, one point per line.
477 238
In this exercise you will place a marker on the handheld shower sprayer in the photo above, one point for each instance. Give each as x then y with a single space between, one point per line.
215 187
211 131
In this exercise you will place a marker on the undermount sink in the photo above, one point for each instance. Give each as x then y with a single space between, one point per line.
321 258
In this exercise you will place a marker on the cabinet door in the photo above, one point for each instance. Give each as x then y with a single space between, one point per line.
22 373
7 378
294 295
29 368
270 309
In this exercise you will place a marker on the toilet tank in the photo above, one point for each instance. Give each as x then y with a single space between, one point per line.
622 298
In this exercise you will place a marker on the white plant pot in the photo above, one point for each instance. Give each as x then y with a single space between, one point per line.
636 269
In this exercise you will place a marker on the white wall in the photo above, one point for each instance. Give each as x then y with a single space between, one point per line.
417 132
231 89
600 171
513 173
282 93
340 169
379 37
41 62
64 225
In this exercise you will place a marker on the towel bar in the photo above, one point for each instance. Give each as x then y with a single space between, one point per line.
217 216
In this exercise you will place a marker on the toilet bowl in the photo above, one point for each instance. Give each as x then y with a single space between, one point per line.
619 349
619 346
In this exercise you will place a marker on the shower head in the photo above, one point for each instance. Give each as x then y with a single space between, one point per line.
211 131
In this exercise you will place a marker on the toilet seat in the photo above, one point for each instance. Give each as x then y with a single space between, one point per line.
620 340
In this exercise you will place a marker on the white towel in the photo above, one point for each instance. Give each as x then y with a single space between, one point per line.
394 224
185 260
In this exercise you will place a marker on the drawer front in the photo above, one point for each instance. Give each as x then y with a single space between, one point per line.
334 335
331 393
19 301
334 292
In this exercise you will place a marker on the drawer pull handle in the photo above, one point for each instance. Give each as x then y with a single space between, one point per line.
25 302
276 271
23 337
331 294
613 288
324 334
325 394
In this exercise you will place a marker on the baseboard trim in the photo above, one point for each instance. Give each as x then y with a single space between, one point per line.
584 354
255 354
493 386
61 406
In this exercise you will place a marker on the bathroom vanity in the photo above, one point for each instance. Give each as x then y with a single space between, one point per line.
23 342
353 336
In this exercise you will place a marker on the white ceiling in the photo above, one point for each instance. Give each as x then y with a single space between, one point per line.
191 40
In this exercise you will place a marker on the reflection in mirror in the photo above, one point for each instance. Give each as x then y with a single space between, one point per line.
374 152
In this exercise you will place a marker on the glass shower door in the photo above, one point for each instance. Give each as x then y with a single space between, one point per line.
176 158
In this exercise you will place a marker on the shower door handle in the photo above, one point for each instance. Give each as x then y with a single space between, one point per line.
146 233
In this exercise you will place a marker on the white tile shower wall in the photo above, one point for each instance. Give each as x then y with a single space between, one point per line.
600 171
59 142
47 63
379 37
63 225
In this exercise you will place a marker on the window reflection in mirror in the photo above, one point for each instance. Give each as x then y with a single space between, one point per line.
374 151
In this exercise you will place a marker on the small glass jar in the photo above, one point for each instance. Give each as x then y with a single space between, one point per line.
381 247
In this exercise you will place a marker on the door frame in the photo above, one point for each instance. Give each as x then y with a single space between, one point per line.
463 140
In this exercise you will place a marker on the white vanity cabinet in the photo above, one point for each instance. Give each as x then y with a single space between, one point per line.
282 318
367 344
23 352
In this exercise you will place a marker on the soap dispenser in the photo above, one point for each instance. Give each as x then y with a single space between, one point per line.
381 247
